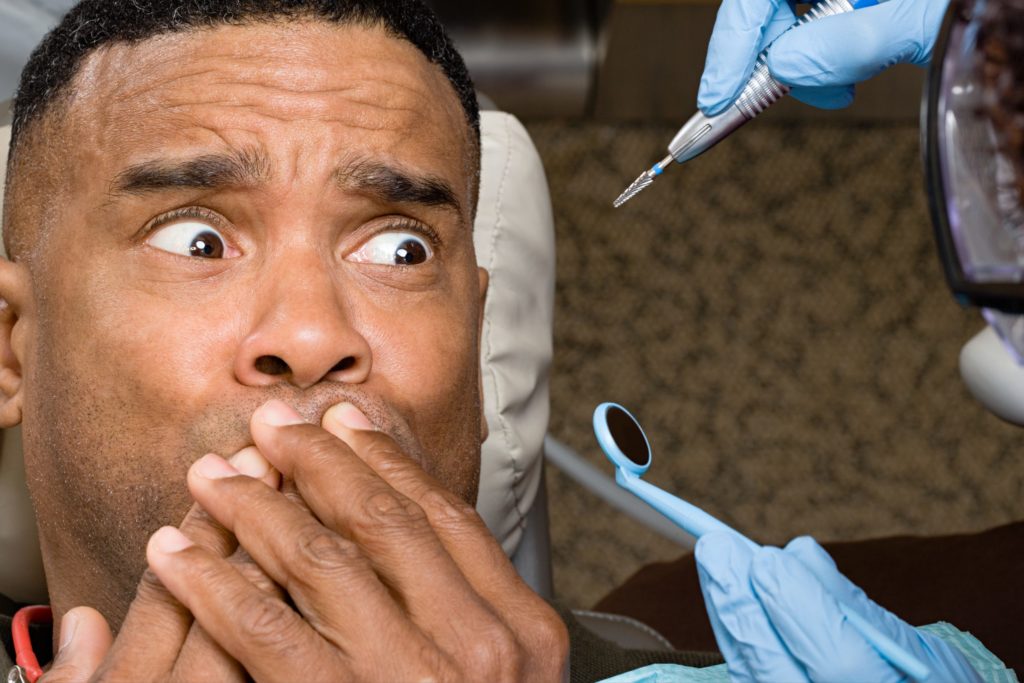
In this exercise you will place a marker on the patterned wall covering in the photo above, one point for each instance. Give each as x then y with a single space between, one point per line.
775 315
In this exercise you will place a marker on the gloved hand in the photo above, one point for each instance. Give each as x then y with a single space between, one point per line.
776 618
820 60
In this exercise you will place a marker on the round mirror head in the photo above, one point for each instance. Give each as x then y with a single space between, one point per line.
621 438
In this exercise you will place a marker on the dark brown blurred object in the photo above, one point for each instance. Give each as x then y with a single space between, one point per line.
973 581
654 52
1002 40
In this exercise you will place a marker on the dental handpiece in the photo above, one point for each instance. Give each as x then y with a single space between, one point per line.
701 132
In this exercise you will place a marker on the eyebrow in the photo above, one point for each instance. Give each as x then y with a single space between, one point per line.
397 186
209 171
251 167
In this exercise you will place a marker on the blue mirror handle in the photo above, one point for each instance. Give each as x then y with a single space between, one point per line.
695 521
686 516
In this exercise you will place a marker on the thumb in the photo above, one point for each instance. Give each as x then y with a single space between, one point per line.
84 641
742 29
849 48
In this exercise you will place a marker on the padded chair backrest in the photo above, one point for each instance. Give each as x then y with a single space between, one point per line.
514 239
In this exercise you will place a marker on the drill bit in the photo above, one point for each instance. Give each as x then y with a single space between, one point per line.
641 183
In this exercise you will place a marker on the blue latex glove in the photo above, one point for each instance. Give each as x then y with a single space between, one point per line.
820 60
775 617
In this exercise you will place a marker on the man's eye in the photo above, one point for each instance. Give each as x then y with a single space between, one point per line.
394 249
190 238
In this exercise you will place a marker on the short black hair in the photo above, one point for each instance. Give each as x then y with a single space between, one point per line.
93 24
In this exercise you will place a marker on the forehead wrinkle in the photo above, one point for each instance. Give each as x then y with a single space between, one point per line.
402 104
246 66
113 72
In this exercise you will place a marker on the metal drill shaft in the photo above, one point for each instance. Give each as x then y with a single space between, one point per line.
641 183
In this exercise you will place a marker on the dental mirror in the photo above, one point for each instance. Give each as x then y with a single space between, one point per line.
624 442
621 438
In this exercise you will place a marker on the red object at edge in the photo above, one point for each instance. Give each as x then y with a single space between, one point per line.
23 654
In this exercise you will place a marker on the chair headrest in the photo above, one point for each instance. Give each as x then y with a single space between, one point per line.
514 240
993 376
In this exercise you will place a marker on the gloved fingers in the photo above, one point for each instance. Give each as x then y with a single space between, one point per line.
742 28
946 663
808 619
823 567
832 97
781 21
821 564
871 39
752 649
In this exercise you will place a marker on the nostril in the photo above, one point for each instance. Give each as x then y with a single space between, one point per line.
272 365
344 364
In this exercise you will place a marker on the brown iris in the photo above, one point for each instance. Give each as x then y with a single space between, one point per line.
410 253
207 245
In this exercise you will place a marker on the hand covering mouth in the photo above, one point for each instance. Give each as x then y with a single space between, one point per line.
224 429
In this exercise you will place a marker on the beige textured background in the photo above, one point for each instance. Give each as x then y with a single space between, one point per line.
775 315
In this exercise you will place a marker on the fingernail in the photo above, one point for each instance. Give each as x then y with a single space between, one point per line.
169 540
250 462
347 415
212 466
278 414
68 627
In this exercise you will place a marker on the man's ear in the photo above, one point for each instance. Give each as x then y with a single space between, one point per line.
14 297
484 278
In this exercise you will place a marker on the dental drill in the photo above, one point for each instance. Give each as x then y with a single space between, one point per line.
701 132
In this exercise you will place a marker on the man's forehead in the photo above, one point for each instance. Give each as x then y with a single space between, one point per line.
325 55
253 79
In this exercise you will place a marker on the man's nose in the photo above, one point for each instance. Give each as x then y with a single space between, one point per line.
302 333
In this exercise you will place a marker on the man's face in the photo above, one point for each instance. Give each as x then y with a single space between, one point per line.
279 210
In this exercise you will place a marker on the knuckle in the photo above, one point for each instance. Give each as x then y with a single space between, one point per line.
295 498
148 583
549 642
326 553
446 508
150 588
252 572
198 519
432 666
493 654
387 512
385 454
555 636
267 623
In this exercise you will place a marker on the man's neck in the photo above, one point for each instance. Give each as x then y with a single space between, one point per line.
76 578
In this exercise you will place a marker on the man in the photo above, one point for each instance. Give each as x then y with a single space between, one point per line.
229 223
